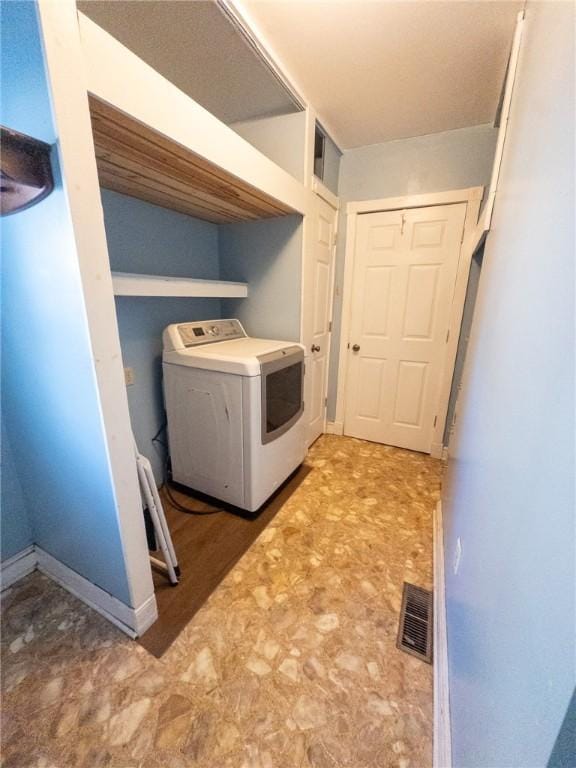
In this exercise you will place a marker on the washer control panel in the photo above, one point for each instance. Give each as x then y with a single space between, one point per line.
208 331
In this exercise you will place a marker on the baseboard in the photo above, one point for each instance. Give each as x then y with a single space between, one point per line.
334 428
442 734
145 615
133 621
436 450
16 567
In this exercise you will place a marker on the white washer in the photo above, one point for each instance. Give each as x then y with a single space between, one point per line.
234 406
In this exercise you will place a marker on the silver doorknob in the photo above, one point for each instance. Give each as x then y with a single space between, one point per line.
356 348
315 348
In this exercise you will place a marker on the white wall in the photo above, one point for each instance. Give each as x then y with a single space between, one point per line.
281 138
435 163
510 491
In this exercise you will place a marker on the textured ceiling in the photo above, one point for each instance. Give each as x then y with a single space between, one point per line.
377 70
194 46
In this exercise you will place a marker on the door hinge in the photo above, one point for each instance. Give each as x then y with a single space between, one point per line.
325 402
447 335
330 327
334 238
435 420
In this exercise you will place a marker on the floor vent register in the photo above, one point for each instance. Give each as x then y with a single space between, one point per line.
416 621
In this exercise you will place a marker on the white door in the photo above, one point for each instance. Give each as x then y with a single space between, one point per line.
405 268
317 299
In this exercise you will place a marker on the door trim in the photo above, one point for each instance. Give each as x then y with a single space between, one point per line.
472 196
322 193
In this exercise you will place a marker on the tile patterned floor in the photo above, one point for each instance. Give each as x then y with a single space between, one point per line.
290 664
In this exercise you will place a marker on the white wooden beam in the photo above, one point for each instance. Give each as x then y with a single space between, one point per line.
69 99
504 117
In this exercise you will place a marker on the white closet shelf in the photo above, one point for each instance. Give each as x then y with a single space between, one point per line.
127 284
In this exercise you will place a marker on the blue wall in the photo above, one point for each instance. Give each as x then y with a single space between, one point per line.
146 239
15 531
24 97
49 392
17 22
433 163
509 496
267 254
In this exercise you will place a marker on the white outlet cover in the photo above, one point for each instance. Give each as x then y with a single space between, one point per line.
457 555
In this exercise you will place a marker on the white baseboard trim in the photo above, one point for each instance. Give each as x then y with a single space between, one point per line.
442 733
444 456
19 565
334 428
145 615
133 621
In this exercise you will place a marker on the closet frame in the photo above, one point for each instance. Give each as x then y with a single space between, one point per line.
122 126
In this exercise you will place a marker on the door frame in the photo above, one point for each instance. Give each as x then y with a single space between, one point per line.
472 197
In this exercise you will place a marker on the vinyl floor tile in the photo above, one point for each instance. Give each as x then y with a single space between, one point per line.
291 663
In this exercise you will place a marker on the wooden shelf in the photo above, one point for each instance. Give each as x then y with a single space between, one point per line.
136 160
126 284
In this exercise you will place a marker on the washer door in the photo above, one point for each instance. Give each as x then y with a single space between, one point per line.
282 391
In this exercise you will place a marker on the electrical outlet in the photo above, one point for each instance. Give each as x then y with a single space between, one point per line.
129 376
457 555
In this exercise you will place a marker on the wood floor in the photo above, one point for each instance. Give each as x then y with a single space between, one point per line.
207 547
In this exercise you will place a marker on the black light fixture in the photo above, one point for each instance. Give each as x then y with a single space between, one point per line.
25 171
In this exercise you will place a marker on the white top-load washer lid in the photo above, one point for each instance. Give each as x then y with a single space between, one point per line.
221 345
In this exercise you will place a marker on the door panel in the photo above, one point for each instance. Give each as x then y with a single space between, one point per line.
410 388
383 236
371 372
421 300
377 285
405 268
318 276
428 234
